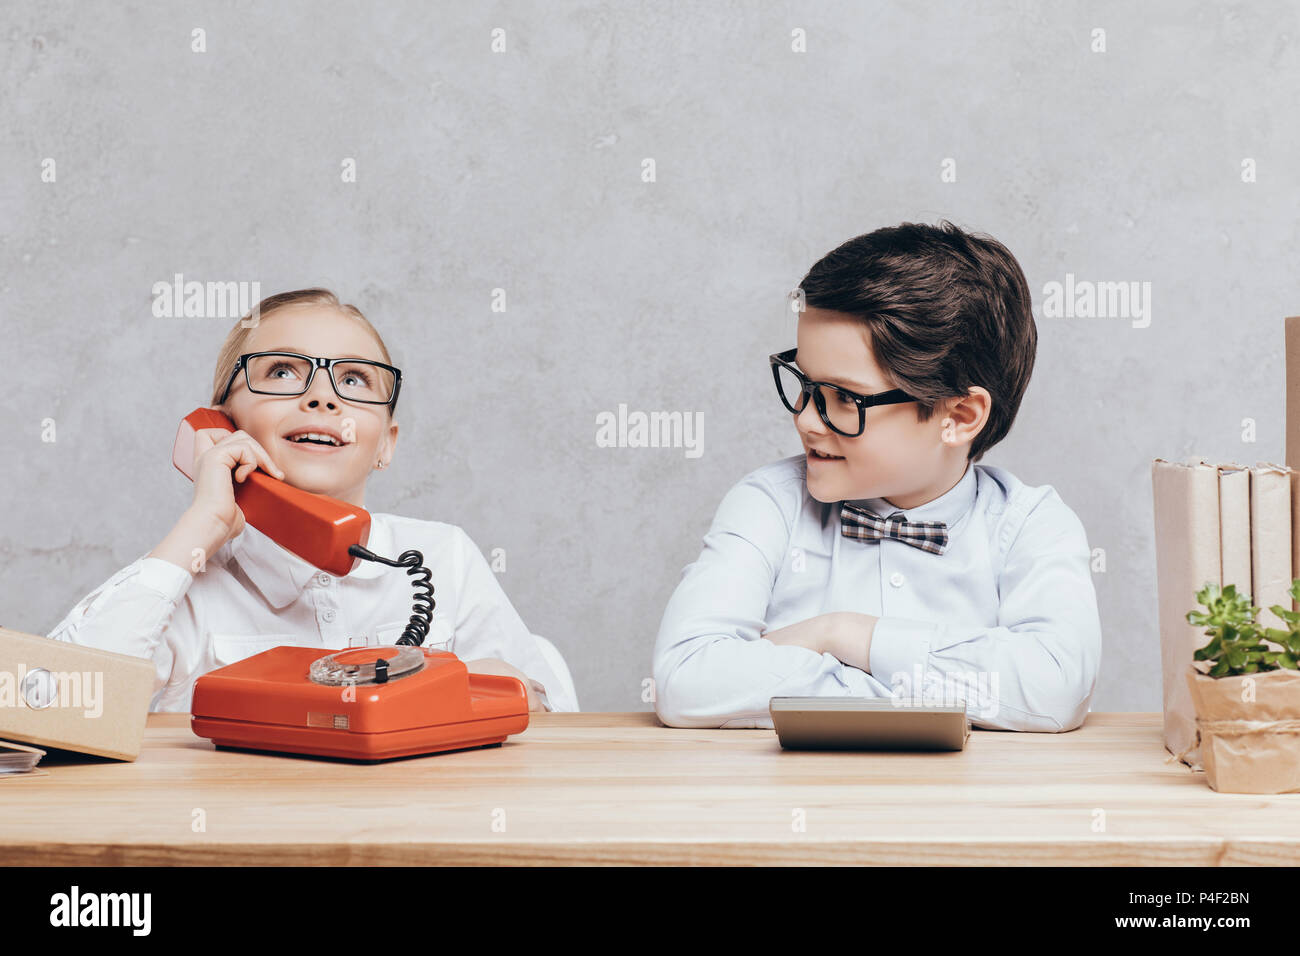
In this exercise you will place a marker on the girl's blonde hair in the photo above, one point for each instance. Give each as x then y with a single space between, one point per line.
234 346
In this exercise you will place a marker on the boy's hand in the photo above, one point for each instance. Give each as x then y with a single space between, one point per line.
851 638
813 634
493 665
845 635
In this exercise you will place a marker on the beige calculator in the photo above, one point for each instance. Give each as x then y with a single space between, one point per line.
867 723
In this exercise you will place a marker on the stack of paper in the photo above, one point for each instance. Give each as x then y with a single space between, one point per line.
18 758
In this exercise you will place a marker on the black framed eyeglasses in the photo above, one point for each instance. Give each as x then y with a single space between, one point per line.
844 412
291 373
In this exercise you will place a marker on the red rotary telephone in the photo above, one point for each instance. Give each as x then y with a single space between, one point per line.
363 703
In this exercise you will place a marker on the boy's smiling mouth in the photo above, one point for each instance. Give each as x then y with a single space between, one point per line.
815 455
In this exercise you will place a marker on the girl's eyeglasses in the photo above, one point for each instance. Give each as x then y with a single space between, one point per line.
289 373
843 411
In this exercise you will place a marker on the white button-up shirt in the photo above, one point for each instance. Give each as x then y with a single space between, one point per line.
1005 619
253 595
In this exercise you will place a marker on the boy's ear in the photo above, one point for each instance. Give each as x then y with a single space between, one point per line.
969 413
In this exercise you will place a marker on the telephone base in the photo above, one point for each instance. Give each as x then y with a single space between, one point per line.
269 738
364 703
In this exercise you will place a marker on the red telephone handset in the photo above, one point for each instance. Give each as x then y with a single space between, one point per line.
317 528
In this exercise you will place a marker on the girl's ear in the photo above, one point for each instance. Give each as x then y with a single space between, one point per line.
225 410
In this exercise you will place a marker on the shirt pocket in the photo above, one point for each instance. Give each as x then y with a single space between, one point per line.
231 648
438 638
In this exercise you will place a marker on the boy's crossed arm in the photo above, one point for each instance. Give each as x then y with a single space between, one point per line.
712 666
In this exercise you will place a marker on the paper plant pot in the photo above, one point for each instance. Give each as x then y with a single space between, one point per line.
1248 729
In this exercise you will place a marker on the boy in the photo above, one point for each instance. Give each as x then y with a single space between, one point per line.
884 561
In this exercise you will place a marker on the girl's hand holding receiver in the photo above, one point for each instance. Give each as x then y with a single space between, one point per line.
220 459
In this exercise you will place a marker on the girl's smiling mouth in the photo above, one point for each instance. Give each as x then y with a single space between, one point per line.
314 446
318 439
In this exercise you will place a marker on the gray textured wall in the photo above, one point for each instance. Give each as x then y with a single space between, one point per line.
522 170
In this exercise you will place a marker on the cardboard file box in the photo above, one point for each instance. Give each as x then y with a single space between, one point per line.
56 694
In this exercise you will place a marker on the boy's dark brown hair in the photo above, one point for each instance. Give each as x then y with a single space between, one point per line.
945 310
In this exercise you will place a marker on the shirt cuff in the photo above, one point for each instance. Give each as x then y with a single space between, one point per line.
900 651
166 578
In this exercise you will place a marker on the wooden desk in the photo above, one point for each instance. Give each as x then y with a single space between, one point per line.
619 788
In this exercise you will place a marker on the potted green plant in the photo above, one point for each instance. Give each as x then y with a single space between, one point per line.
1245 685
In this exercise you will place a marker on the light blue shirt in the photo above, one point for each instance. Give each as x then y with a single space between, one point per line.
1005 619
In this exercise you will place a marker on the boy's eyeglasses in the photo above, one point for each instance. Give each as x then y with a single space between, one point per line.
289 373
843 411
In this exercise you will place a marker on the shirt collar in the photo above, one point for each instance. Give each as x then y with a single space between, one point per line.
950 507
280 575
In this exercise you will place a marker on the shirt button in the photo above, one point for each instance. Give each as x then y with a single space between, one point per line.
327 615
896 579
323 579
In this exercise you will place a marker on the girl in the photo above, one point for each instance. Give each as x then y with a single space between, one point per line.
216 590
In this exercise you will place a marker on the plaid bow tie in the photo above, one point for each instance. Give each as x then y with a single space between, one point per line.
929 536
